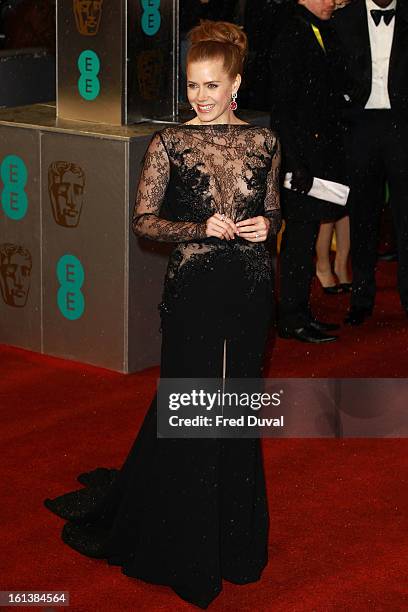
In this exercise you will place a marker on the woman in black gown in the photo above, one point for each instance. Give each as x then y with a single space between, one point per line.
190 512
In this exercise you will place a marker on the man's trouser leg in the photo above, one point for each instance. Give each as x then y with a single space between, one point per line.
296 273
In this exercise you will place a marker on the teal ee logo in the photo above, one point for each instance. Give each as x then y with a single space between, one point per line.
89 67
13 196
151 18
70 299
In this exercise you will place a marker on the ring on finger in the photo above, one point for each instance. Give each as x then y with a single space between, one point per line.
256 235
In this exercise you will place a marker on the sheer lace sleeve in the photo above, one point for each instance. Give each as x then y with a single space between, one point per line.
146 221
272 199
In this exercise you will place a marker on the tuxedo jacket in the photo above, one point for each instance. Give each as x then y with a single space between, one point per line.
307 87
351 24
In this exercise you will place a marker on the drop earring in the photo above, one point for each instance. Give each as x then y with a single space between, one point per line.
234 105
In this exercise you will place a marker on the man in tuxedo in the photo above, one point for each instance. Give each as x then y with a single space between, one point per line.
306 99
375 34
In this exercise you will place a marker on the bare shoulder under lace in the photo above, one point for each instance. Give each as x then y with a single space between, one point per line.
192 171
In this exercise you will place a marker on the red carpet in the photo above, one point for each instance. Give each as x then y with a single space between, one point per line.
339 520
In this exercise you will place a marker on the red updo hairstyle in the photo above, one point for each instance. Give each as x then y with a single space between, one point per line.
212 40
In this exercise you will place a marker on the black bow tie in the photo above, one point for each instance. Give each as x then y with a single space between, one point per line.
388 15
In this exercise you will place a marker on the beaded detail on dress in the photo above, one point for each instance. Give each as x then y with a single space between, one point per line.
191 172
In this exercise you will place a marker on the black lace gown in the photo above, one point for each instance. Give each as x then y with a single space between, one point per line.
190 512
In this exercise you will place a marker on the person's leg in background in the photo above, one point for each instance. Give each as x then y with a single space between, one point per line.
396 159
367 188
324 270
296 273
341 260
387 245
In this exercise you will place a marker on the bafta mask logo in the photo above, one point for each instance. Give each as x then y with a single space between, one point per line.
88 14
15 274
150 65
66 185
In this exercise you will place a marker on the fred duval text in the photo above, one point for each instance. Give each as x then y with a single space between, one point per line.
220 421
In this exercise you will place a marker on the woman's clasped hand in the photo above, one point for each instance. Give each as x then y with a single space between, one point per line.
254 229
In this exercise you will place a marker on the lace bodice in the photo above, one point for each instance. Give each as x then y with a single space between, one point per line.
191 172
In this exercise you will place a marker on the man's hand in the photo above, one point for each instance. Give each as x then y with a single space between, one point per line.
255 229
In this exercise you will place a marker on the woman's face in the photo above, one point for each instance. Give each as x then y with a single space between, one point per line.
209 90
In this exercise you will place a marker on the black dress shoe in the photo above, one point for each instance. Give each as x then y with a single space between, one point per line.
307 334
345 287
323 327
357 316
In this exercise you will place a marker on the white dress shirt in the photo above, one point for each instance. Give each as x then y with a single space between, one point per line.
381 38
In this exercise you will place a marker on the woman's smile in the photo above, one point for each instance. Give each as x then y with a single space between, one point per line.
205 108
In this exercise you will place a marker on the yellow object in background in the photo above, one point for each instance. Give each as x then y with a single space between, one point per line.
318 36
